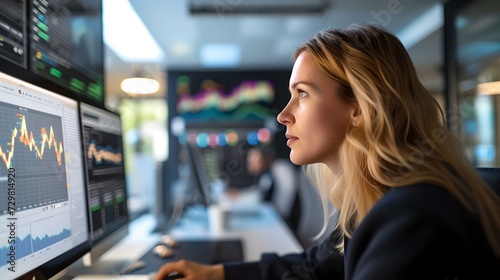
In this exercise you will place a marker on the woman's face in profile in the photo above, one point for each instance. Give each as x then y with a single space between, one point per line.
316 118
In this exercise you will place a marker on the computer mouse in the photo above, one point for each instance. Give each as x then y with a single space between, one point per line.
171 276
174 275
169 241
163 251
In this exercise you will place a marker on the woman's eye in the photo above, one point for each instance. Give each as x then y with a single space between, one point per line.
302 94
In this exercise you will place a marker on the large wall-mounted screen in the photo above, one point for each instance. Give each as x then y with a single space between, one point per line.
13 31
66 45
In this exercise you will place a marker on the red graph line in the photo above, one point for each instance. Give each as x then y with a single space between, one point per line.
28 140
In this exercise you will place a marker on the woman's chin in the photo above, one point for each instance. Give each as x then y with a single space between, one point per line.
298 160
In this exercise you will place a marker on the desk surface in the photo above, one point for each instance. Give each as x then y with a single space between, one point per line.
259 226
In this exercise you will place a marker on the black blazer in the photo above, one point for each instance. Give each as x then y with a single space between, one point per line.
413 232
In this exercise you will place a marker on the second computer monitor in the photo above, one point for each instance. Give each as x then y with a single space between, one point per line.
107 191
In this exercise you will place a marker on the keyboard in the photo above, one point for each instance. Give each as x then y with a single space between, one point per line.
201 251
149 276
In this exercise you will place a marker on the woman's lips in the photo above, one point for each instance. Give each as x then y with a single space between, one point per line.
291 139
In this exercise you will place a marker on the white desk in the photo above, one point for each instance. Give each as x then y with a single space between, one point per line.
264 232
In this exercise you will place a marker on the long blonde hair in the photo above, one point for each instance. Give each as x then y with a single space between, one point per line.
401 138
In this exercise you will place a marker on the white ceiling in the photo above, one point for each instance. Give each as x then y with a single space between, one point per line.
267 41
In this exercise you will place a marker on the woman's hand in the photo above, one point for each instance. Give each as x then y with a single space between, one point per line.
191 270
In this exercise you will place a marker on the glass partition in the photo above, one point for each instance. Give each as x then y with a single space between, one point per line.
473 52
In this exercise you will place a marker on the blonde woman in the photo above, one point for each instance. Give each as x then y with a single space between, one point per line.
374 142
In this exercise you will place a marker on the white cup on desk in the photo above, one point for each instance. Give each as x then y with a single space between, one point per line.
217 218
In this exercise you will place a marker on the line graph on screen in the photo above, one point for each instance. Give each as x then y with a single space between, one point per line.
31 144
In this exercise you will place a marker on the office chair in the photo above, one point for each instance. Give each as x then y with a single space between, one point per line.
311 216
285 192
492 177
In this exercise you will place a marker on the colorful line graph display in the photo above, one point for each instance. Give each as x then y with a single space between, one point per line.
249 100
245 93
31 144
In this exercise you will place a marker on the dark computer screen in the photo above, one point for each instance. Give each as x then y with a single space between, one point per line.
43 213
13 31
66 44
107 193
199 180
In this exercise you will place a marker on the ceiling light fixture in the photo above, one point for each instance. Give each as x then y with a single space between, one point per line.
489 88
140 85
488 80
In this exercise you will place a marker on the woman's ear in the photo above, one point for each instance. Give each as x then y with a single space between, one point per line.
356 116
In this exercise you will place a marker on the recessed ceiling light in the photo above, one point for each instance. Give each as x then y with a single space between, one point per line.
179 49
220 55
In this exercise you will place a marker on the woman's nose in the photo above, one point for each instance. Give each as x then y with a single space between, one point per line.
284 117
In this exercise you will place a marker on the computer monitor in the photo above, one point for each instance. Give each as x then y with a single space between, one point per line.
13 31
66 45
43 207
107 190
199 180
